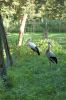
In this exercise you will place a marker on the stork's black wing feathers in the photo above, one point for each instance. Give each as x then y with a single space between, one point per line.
53 59
33 49
36 50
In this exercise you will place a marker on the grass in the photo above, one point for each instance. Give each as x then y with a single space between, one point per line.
31 75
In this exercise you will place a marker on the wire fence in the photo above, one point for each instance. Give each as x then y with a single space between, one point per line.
38 26
50 25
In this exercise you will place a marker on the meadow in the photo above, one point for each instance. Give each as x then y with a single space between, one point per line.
31 76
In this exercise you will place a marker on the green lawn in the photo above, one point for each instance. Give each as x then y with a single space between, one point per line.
31 76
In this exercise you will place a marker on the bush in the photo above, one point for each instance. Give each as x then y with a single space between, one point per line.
55 46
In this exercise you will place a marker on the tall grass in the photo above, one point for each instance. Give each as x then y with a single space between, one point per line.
31 76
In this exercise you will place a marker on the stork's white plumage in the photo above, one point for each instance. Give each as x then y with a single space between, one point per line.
33 46
51 56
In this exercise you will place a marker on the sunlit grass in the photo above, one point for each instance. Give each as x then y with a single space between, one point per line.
57 34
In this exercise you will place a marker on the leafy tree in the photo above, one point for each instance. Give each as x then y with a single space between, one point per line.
55 8
28 10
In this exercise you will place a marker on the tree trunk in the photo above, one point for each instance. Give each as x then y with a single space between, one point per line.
2 65
46 29
46 34
22 28
3 70
5 43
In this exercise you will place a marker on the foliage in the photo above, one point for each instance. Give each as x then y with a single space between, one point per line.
55 46
34 8
18 8
56 11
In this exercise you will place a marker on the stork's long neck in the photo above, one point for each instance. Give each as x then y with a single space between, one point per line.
28 42
48 46
48 49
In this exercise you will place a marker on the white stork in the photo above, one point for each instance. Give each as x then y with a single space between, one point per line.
50 55
33 46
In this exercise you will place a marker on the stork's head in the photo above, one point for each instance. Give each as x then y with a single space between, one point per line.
28 40
49 44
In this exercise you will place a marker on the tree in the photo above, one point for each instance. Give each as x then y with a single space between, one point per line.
28 10
50 9
5 43
56 11
19 8
2 65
